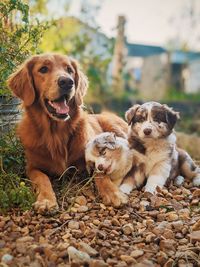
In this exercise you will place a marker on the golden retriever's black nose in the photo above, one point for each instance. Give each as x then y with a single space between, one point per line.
147 131
65 83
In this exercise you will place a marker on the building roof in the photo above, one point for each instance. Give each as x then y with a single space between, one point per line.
139 50
181 57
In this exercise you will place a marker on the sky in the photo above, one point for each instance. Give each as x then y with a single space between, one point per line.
149 21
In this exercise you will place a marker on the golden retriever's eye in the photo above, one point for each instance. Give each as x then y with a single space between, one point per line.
69 70
43 69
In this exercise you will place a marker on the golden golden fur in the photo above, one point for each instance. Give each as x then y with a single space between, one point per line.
54 129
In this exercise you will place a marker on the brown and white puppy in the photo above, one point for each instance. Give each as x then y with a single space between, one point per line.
151 133
110 155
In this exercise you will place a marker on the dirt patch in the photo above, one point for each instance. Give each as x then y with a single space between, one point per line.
162 230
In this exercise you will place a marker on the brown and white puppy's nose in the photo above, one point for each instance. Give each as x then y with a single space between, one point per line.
147 131
100 167
65 82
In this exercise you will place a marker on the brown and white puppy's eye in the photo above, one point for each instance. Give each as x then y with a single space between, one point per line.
102 152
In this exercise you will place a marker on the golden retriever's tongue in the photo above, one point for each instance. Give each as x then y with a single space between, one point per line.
60 107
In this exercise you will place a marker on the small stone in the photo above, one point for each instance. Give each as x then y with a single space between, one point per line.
25 239
162 258
137 253
172 216
88 249
178 225
168 234
82 209
96 222
7 258
81 200
161 228
184 214
98 263
127 259
167 244
78 256
196 226
63 246
196 193
150 238
73 225
194 236
127 229
115 222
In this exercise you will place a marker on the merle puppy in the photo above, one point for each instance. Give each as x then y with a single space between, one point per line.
151 133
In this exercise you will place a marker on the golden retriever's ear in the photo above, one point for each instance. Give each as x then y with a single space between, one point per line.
20 82
129 115
81 83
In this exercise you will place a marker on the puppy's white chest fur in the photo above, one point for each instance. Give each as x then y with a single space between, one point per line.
157 151
123 166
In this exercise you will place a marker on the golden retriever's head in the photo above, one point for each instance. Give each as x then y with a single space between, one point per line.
53 80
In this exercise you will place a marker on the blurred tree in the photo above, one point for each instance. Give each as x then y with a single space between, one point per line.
91 48
19 37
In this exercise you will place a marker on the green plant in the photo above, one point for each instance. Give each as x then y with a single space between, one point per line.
15 190
19 37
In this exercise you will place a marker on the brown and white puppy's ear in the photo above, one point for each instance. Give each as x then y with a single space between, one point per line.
171 116
129 115
81 83
21 83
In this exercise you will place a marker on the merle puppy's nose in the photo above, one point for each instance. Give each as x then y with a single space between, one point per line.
65 83
100 167
147 131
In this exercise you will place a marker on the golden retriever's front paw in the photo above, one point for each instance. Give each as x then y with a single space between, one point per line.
115 198
45 206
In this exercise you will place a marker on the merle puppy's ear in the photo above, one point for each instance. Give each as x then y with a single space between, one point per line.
171 116
21 82
81 83
110 141
129 115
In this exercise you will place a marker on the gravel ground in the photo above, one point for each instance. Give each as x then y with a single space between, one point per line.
161 230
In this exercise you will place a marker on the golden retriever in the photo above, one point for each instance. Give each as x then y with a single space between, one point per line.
54 129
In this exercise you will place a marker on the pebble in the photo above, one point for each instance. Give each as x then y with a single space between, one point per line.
178 225
96 222
7 258
88 249
127 229
73 225
172 216
194 236
82 209
77 256
127 259
167 244
137 253
81 200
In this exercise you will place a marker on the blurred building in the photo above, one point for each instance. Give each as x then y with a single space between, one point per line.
153 70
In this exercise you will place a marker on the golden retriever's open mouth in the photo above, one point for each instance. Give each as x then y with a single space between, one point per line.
58 108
